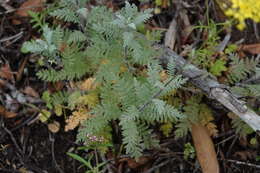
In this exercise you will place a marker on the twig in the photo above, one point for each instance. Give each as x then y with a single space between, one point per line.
243 163
34 168
223 44
224 134
158 166
96 156
53 153
204 80
13 139
226 139
108 166
231 146
9 170
256 31
25 122
16 37
5 5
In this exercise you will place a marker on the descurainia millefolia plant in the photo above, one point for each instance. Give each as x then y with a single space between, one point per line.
123 64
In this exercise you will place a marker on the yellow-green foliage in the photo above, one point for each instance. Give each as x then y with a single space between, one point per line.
197 112
166 128
242 10
189 151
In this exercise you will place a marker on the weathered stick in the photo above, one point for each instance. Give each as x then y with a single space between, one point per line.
207 83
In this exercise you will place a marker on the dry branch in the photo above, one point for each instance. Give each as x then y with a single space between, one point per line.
207 83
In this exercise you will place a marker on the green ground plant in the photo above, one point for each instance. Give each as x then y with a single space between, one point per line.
122 63
189 151
239 73
87 163
112 74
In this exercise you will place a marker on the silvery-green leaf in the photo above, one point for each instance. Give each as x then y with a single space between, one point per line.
119 23
47 34
128 37
132 25
159 104
51 48
121 17
143 17
159 85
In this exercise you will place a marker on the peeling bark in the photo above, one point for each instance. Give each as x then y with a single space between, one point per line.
207 83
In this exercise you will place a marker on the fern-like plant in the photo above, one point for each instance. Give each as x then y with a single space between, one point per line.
241 68
242 74
122 61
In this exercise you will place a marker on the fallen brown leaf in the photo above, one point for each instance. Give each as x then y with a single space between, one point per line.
16 22
133 164
54 127
7 114
251 48
55 86
205 150
30 5
245 155
31 92
165 3
6 72
2 83
243 141
21 69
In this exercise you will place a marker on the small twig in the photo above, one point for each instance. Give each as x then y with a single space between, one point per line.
34 168
226 139
2 25
21 69
108 166
5 5
231 146
158 166
9 170
74 165
13 139
96 156
223 43
16 37
51 137
5 50
224 134
25 122
243 163
256 31
212 87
